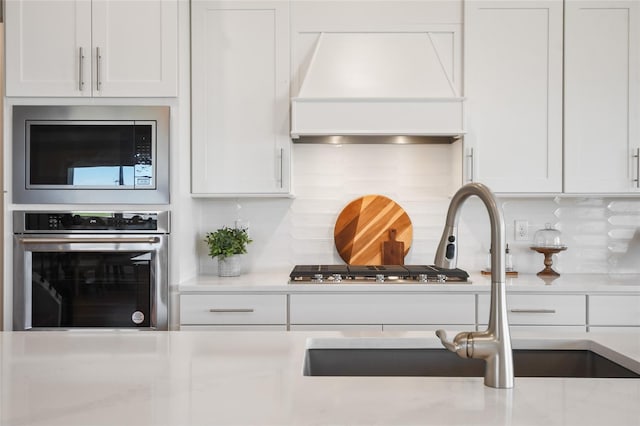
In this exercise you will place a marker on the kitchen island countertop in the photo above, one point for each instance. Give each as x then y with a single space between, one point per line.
255 378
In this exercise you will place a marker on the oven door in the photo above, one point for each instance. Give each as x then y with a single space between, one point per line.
90 281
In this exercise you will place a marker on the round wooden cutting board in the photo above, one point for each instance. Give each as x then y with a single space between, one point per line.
363 226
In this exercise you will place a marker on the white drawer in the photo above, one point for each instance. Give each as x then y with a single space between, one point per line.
382 309
614 310
251 327
233 309
355 328
452 329
611 329
553 328
539 309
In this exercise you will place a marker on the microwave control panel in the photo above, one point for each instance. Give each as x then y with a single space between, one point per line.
143 168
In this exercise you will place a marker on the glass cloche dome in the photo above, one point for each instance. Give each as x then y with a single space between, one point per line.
548 237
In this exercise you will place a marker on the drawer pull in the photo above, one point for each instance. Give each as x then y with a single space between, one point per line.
226 311
533 311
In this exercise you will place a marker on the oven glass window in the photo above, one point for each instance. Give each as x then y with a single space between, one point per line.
91 289
86 155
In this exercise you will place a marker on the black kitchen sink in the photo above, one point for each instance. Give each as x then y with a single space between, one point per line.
442 363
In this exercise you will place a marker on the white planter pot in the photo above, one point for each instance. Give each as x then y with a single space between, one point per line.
229 266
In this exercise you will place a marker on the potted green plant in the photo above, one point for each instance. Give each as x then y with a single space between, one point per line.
227 244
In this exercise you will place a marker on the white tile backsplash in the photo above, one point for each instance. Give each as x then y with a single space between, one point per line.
602 234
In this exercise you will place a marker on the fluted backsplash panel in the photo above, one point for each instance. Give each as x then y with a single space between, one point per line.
602 234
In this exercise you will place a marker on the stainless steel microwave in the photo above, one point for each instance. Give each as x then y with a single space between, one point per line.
91 154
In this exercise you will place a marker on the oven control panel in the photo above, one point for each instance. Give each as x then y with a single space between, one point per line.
64 222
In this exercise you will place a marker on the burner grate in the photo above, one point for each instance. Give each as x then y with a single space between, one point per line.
379 273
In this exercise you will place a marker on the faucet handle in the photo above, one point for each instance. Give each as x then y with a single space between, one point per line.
450 345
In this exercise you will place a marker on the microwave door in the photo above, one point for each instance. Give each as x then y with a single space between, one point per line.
81 155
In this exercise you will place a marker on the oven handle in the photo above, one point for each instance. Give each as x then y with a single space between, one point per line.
51 240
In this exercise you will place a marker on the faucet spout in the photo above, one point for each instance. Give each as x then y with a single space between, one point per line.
494 344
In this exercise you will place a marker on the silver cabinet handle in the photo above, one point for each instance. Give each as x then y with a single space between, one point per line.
81 69
637 157
471 169
230 310
281 167
44 240
98 62
533 311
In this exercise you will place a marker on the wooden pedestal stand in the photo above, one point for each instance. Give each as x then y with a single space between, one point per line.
548 253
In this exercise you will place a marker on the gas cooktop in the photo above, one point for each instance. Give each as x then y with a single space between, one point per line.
362 274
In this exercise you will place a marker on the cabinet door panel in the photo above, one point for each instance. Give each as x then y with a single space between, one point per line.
613 310
452 329
234 327
602 95
240 96
137 41
336 327
513 85
608 329
382 309
43 42
549 328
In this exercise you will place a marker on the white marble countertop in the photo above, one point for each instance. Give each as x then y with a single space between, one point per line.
277 281
255 378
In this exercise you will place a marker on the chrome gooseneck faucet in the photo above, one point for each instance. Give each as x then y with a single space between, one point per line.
494 344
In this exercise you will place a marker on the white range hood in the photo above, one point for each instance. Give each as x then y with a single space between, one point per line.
377 84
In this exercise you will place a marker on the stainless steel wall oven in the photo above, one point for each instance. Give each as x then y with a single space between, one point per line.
91 154
90 270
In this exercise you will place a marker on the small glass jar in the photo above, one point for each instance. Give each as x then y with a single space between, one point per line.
508 260
548 237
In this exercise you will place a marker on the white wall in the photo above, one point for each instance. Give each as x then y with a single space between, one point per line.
326 178
597 231
602 234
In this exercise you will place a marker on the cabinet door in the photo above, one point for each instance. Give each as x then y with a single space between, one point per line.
614 310
135 48
513 86
381 309
240 98
48 48
602 96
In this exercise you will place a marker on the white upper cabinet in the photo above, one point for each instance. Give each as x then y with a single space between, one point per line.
513 86
602 96
80 48
240 98
45 41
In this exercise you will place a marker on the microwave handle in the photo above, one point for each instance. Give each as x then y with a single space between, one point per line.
93 240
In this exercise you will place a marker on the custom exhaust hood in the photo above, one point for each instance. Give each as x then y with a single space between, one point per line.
391 87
